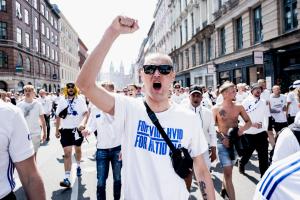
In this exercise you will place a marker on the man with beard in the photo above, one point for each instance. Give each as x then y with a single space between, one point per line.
147 171
68 128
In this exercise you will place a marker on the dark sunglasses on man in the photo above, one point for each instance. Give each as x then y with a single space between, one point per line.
163 69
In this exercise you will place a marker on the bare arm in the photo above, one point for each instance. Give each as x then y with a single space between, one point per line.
44 130
31 179
87 76
204 178
57 124
84 121
246 119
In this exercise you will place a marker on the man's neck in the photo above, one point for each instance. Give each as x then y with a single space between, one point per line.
158 106
70 97
227 102
276 95
28 100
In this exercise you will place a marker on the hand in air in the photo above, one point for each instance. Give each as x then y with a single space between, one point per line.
123 25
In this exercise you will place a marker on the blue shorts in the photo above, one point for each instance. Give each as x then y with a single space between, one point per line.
224 155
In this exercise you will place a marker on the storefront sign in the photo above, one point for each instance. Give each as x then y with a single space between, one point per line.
258 57
211 69
269 82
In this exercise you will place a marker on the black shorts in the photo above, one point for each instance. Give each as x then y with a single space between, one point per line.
10 196
67 138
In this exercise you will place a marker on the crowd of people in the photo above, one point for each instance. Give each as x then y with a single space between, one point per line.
227 125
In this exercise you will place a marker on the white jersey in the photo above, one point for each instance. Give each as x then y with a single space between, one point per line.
46 103
286 145
292 99
32 112
177 98
240 97
108 134
281 181
277 104
15 144
76 110
153 176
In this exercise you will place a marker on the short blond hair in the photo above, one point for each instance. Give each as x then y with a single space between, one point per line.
225 86
28 87
155 56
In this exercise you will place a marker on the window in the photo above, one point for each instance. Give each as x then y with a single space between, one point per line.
239 33
19 66
47 51
43 28
198 80
47 33
56 40
55 24
208 41
47 15
193 55
51 20
52 54
26 16
219 4
186 30
36 23
3 60
34 3
2 5
43 48
19 35
37 45
180 29
56 56
3 30
193 23
222 41
27 40
43 70
18 10
224 76
290 14
201 53
28 64
187 57
237 73
43 9
182 64
209 80
257 25
255 73
52 37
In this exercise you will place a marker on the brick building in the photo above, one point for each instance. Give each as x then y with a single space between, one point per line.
29 45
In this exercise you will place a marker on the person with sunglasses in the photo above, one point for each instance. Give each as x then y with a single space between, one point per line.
147 171
69 129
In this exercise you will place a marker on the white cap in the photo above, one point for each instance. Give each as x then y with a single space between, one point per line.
296 84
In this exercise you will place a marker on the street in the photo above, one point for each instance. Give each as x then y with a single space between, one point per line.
50 164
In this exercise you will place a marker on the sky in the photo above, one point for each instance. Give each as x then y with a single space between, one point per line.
90 18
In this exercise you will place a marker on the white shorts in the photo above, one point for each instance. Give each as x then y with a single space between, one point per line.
36 141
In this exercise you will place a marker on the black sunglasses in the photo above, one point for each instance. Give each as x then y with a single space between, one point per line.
70 85
163 69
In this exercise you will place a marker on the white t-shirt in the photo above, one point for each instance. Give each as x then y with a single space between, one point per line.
76 110
286 145
281 181
265 95
239 98
293 108
277 104
46 103
177 98
147 171
258 112
32 112
108 134
15 144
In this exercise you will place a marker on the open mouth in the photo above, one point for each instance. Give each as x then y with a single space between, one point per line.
156 86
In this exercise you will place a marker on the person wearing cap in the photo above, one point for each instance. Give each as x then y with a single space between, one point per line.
68 129
206 121
257 135
226 118
292 102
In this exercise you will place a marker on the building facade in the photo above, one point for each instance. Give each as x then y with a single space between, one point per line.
29 46
69 52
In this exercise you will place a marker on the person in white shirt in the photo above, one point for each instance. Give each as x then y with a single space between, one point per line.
257 135
16 150
177 97
278 108
292 102
47 106
132 90
68 129
143 147
206 121
34 114
241 94
281 181
108 147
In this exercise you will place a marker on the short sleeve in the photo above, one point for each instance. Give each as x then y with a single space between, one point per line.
289 98
198 143
20 146
60 106
41 109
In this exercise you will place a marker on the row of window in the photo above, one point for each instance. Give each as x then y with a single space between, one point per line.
2 5
45 69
